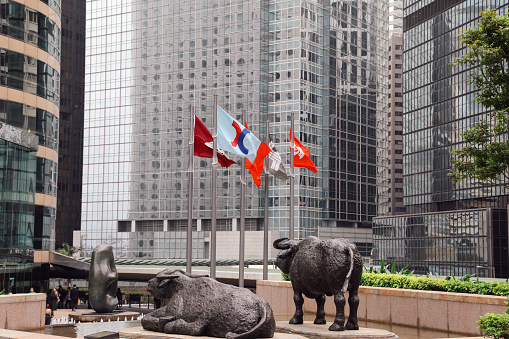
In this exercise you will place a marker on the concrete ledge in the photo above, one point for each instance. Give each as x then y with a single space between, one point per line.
11 334
322 331
140 333
441 311
22 312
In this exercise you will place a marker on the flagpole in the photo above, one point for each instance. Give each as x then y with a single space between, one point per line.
214 194
242 241
266 212
189 248
292 189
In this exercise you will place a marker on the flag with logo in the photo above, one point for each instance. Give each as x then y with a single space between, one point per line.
203 144
233 137
302 157
276 167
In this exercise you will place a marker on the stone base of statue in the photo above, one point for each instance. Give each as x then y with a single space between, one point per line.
139 332
94 316
284 331
308 329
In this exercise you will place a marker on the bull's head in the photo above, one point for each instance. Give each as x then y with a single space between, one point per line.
168 281
285 257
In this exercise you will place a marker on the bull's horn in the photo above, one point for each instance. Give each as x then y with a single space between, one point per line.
279 246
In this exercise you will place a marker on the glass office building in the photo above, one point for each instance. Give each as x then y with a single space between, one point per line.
18 164
438 106
147 62
70 147
29 101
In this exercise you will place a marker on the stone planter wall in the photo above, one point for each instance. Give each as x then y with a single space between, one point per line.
443 311
22 312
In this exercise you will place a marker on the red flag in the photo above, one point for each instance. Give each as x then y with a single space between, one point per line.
203 143
302 157
257 167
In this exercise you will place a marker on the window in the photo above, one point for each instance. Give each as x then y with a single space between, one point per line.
398 66
398 47
397 85
398 56
397 76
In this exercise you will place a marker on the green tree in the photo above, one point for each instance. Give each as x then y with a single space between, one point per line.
68 250
486 153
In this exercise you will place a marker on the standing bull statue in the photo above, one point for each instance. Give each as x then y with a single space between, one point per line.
318 268
201 306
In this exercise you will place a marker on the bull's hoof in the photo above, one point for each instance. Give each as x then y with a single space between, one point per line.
320 321
296 321
351 326
336 327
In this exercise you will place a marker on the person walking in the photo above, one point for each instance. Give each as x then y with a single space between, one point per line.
67 299
60 296
75 295
119 298
53 300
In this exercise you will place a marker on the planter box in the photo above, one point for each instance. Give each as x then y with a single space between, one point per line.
442 311
22 312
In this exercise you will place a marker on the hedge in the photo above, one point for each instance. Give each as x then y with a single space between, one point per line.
433 284
494 325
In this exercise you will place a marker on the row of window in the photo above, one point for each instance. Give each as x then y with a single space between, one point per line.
25 73
39 121
23 23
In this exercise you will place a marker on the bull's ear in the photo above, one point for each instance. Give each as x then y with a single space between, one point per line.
169 274
281 244
285 243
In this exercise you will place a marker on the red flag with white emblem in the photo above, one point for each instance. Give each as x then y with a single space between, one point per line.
302 157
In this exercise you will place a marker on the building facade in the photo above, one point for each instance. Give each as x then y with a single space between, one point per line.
70 146
445 220
147 63
18 164
29 100
395 118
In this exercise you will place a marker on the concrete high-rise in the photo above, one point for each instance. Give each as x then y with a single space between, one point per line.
29 107
148 62
395 118
450 228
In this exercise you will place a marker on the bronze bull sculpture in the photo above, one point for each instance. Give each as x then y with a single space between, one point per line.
201 306
319 268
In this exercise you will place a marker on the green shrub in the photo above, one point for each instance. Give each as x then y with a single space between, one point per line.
432 284
286 277
494 325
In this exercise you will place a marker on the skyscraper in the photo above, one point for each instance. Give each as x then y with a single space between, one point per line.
395 117
70 149
450 228
29 107
148 62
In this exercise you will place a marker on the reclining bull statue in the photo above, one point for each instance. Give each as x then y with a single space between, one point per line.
201 306
318 268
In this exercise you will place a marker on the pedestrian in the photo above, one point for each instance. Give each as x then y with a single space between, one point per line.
119 298
31 290
47 319
67 303
75 295
60 296
53 300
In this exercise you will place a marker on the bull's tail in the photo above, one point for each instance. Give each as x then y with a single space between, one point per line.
254 332
349 275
